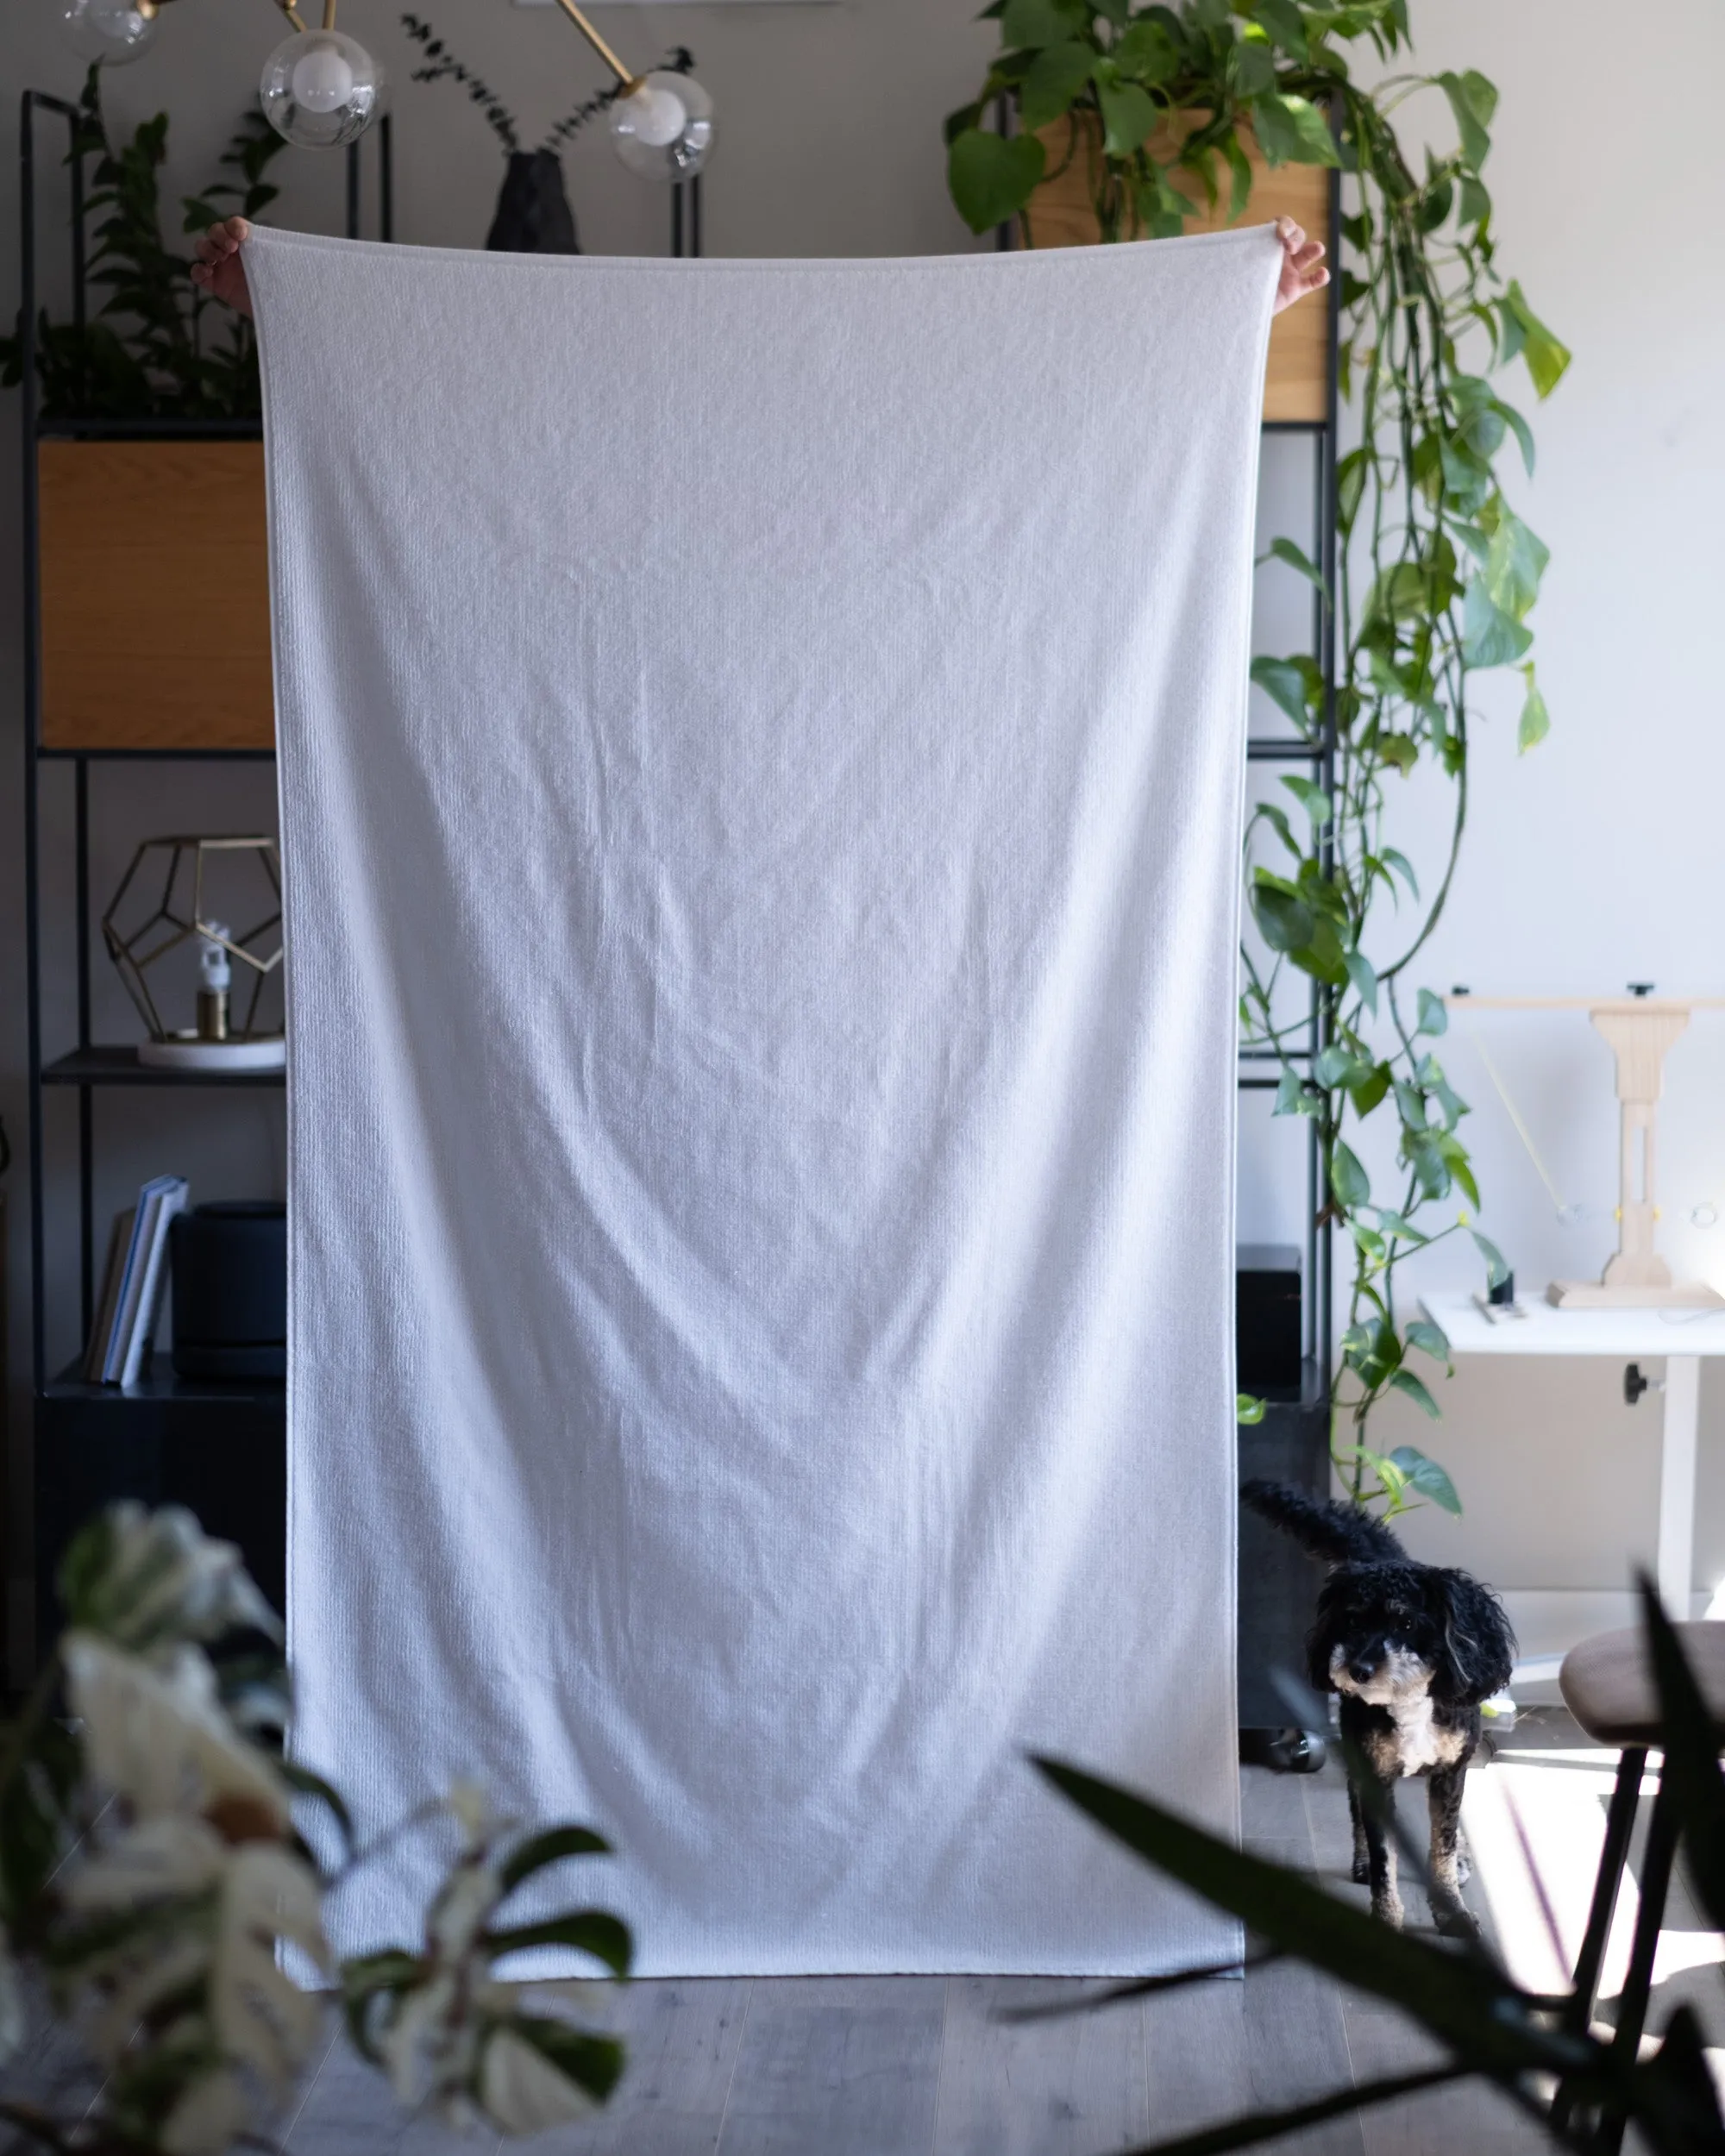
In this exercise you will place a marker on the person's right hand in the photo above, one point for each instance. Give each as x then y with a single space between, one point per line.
218 269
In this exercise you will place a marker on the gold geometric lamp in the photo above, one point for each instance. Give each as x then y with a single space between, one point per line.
184 915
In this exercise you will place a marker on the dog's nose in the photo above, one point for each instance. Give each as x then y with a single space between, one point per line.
1362 1670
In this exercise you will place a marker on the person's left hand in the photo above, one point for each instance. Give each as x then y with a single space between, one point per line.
1302 265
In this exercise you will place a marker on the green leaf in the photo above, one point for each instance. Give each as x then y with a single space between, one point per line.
1463 1999
1473 204
1352 474
1679 2098
1286 24
1522 432
1405 1382
1248 1408
1285 551
594 1932
367 1977
1288 684
1490 637
304 1782
1425 1475
1692 1753
1431 1340
1145 52
1470 126
1514 562
1394 1223
548 1848
1481 95
1239 176
1348 1179
1496 1272
1285 922
1403 868
1536 720
594 2063
1268 812
1434 1018
1057 75
1546 356
992 177
1291 130
1313 798
1431 1170
1129 113
1036 22
1363 976
1368 1090
1336 1065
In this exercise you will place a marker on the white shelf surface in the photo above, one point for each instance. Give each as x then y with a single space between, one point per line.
1545 1331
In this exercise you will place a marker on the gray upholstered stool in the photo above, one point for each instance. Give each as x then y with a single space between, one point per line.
1608 1685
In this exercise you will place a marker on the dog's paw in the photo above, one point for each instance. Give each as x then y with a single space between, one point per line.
1453 1921
1387 1908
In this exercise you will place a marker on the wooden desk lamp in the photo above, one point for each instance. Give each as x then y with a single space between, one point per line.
1638 1028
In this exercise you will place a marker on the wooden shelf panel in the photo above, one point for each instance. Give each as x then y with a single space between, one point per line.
154 596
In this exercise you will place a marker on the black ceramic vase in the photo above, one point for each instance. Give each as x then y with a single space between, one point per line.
533 213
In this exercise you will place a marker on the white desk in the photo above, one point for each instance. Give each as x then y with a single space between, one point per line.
1681 1337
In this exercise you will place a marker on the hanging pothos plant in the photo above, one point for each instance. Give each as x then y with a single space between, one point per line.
1436 574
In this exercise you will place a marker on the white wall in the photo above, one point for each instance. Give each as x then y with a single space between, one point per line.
1589 864
1593 861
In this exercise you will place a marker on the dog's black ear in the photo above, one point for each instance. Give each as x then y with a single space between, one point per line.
1478 1649
1320 1640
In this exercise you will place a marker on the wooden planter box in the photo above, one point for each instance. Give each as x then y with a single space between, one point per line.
154 596
1297 384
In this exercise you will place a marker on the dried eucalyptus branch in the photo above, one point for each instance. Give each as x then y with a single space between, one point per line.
445 67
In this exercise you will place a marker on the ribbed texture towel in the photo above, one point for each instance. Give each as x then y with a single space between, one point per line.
762 751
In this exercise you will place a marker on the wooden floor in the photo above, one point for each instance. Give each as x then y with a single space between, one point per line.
925 2067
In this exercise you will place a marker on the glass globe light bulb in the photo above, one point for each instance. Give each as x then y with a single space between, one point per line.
112 33
664 128
320 88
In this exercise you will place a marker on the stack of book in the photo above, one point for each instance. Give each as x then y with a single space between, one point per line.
133 1285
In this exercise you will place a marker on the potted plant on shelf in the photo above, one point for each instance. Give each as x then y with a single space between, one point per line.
133 532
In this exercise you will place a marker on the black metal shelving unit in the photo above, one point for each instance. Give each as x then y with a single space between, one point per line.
219 1448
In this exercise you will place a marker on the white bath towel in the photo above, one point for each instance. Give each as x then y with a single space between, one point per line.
761 753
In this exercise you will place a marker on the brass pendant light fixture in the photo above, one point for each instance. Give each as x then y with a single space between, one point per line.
320 88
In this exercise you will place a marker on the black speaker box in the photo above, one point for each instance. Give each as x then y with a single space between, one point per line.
230 1290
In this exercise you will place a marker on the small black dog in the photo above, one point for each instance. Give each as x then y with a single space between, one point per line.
1412 1649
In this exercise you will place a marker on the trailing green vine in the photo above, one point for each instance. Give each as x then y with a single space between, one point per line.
1436 574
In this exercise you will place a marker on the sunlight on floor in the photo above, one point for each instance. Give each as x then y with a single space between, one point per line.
1535 1822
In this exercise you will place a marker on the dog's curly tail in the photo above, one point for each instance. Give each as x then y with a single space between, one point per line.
1340 1533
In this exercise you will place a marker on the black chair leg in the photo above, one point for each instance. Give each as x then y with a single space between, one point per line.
1632 2007
1620 1825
